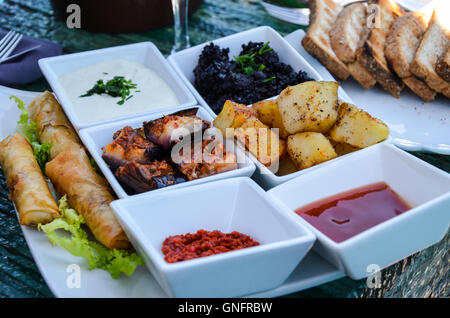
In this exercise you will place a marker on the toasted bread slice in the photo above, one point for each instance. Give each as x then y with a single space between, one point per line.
401 46
420 88
434 44
323 13
371 55
443 66
348 34
403 40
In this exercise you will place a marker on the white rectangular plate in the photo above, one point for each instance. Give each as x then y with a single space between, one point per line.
54 263
414 125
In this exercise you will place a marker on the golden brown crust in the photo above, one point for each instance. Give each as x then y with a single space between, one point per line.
403 40
371 55
52 124
443 66
420 88
360 74
391 83
434 43
317 40
28 189
72 174
349 32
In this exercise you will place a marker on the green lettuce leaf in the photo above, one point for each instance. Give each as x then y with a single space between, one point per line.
28 129
78 244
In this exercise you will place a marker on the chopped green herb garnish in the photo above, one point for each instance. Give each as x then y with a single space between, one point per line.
116 87
247 63
264 49
270 79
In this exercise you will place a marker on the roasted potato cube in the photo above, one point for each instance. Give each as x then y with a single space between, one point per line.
269 114
309 148
261 141
309 106
342 148
233 115
357 128
286 167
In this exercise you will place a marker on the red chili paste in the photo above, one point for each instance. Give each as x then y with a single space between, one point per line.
179 248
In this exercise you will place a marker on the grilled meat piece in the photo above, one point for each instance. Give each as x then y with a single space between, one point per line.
191 112
140 178
129 145
213 159
164 131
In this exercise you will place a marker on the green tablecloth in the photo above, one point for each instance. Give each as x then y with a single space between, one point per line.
425 274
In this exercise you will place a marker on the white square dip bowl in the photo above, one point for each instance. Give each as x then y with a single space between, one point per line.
96 137
237 204
145 53
424 187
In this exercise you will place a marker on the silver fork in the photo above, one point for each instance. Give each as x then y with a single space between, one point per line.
8 44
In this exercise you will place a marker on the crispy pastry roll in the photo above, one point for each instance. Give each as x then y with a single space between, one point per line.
28 189
52 124
88 193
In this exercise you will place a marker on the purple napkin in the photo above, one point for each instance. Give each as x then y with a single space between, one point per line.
24 68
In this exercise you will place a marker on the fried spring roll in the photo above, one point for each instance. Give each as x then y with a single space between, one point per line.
52 124
28 189
88 193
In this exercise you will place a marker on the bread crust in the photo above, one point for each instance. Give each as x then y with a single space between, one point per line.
420 88
360 74
403 40
401 45
371 55
317 41
443 66
434 43
349 32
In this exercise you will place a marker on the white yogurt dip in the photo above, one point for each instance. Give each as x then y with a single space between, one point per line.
153 92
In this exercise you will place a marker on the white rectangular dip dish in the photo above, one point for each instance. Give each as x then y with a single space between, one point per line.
145 53
237 204
424 187
94 138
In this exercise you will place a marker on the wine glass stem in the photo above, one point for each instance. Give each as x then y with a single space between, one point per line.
180 16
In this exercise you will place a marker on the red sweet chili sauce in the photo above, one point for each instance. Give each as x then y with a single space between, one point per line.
346 214
179 248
